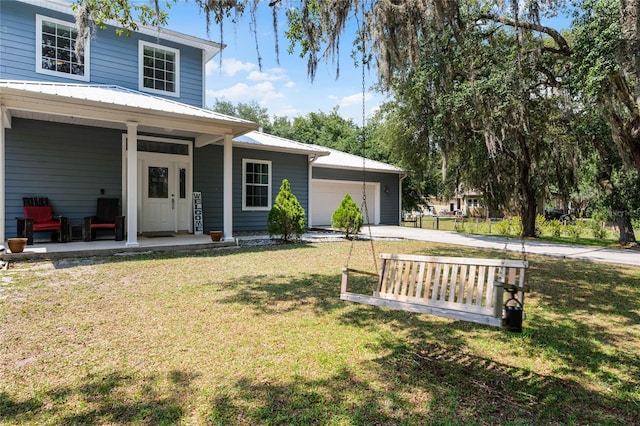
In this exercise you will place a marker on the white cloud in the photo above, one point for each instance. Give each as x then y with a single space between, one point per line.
242 92
351 100
273 74
230 67
289 84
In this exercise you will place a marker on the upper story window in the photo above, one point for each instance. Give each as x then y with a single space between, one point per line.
159 69
55 49
256 184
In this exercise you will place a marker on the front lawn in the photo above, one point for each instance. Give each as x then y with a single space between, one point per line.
258 335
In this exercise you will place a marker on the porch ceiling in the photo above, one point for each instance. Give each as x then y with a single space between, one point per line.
113 107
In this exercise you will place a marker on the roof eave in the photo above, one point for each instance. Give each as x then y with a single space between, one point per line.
368 169
95 110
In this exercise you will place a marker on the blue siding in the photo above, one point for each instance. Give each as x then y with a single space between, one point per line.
207 178
389 201
208 164
113 59
68 164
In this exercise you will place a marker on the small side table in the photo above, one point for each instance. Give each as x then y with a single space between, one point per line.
76 231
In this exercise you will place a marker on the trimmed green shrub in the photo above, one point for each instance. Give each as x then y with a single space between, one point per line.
347 217
286 217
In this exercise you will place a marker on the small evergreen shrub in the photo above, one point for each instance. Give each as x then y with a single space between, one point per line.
347 217
286 217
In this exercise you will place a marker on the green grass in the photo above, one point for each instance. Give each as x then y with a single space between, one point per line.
259 336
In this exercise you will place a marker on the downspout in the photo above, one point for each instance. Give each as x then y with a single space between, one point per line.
312 159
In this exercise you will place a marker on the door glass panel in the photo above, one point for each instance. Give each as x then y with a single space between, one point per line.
158 182
183 183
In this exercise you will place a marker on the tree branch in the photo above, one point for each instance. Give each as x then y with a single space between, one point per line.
563 46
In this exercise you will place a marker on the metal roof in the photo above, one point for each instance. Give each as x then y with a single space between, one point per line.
342 160
115 95
259 140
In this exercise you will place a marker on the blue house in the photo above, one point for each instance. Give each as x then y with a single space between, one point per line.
127 121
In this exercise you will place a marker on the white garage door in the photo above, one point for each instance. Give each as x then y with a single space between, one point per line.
326 196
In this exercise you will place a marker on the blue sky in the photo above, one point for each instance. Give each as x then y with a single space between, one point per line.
284 88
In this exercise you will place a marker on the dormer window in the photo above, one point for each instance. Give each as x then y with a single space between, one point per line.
55 51
159 69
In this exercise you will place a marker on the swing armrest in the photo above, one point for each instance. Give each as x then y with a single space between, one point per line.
345 277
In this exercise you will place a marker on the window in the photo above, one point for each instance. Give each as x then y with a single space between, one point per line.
256 185
55 50
158 182
159 69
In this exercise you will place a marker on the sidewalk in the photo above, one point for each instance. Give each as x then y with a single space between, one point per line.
566 251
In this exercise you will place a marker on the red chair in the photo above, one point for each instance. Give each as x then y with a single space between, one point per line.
107 217
38 217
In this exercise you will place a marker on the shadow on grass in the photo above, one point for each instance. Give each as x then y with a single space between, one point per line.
421 385
424 371
565 297
105 399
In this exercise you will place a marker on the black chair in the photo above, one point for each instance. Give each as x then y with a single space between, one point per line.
107 216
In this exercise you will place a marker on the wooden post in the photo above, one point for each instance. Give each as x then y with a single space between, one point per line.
345 279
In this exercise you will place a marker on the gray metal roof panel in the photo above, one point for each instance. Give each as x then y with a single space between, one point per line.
116 95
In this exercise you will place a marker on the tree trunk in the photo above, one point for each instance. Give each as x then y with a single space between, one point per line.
619 208
526 191
528 211
623 220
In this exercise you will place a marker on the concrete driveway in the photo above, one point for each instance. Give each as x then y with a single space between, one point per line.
568 251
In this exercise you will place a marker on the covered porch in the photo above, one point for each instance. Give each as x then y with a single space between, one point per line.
138 120
103 247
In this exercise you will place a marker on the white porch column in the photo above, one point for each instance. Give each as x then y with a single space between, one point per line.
227 188
132 185
2 175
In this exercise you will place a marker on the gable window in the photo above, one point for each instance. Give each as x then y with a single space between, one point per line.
256 184
159 69
55 50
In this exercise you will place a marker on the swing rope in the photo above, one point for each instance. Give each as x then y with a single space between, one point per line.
363 139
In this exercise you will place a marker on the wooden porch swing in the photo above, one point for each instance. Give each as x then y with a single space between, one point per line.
467 289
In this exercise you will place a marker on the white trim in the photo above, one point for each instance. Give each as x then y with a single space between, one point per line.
227 188
145 156
38 44
141 45
244 185
132 185
3 182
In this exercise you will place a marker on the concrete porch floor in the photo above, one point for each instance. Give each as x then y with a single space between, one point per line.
105 247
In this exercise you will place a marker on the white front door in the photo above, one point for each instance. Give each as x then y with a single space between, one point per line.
158 198
165 191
